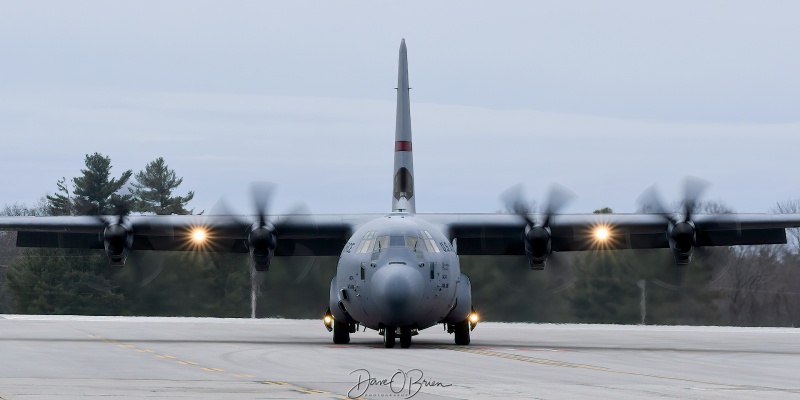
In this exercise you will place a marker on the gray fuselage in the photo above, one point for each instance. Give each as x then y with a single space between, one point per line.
397 271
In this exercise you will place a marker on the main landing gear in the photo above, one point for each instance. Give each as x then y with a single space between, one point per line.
341 330
461 333
460 330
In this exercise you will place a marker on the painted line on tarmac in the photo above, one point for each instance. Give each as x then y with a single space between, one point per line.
288 386
295 388
544 361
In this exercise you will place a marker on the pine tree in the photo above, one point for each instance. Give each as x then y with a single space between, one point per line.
153 190
60 204
63 281
95 193
73 281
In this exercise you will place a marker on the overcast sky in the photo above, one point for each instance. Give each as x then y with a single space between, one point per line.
605 98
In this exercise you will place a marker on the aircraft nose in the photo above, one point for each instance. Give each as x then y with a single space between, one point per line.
398 291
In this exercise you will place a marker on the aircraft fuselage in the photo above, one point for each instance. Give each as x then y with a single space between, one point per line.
397 271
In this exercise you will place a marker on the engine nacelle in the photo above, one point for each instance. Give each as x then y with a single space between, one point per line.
682 238
117 240
538 246
262 242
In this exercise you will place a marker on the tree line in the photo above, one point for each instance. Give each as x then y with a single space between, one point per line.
95 192
750 286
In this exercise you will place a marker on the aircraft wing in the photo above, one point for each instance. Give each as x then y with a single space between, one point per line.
323 235
326 235
502 234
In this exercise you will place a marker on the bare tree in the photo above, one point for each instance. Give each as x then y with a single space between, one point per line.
754 289
790 206
715 207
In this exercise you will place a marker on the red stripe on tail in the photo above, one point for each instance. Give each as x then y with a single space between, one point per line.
402 145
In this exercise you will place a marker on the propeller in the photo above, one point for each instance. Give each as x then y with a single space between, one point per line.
302 258
681 230
262 196
262 240
262 237
557 197
537 234
262 234
693 188
118 236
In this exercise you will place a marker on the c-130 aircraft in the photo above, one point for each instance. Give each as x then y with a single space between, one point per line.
399 273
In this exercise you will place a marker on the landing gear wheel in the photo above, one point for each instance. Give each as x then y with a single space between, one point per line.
388 337
461 332
405 338
341 332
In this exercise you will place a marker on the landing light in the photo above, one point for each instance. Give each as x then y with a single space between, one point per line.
199 235
601 233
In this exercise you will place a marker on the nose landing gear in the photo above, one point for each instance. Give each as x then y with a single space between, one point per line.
390 337
405 337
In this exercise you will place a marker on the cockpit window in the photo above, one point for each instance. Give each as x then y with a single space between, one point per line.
397 241
381 243
429 242
365 246
372 243
412 242
366 243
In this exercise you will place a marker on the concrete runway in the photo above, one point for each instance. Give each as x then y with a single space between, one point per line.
80 357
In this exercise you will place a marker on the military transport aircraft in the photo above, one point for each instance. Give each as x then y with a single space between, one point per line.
399 273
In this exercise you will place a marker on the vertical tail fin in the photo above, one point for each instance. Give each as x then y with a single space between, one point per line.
403 199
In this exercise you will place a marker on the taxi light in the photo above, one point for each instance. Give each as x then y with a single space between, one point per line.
328 320
473 319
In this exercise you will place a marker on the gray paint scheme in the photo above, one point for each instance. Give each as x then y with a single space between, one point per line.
403 198
400 286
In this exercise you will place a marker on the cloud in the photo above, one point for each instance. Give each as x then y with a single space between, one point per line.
603 100
336 154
